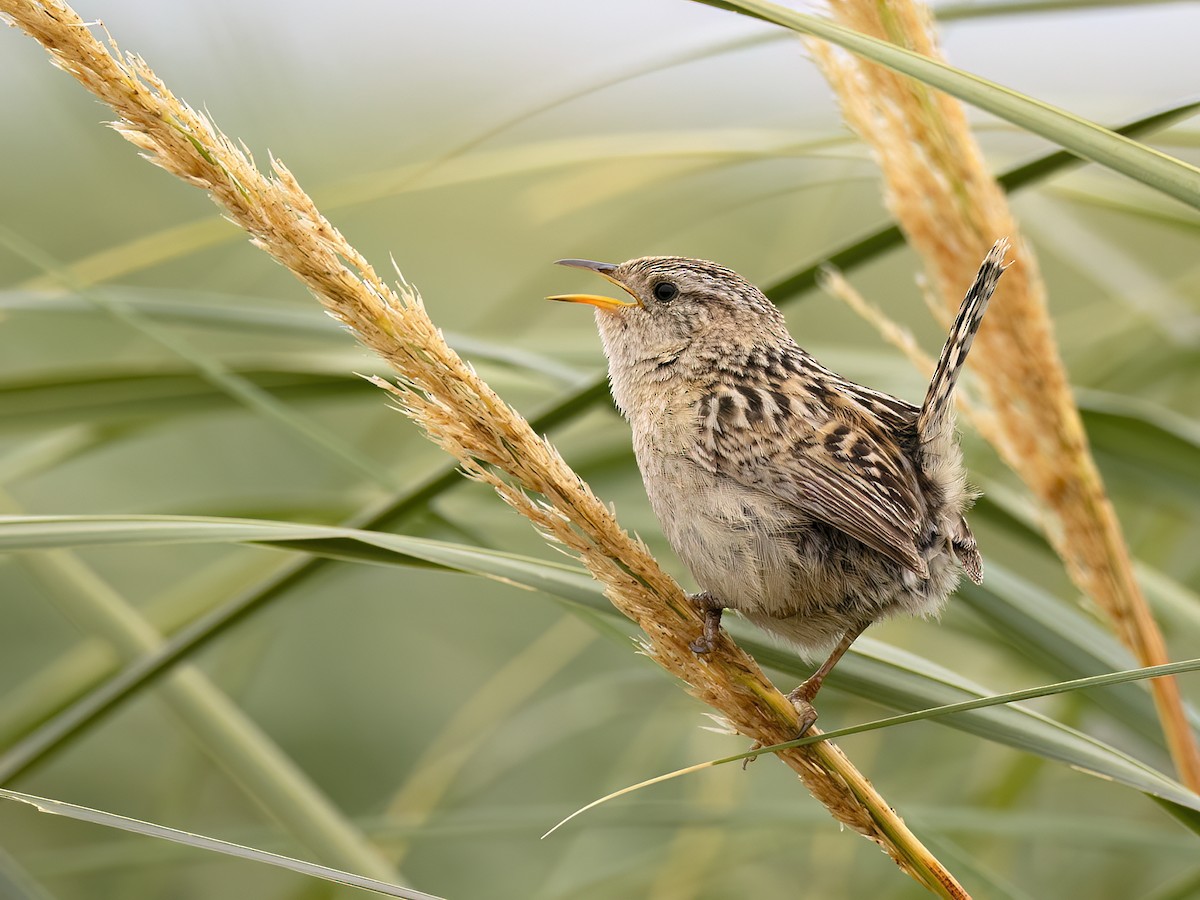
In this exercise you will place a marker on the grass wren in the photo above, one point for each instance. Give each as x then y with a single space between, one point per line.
810 504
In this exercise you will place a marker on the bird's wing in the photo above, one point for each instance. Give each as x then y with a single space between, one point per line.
823 451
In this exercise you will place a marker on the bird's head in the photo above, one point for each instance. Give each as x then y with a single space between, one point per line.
675 304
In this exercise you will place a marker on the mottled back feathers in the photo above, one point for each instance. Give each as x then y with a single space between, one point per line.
818 449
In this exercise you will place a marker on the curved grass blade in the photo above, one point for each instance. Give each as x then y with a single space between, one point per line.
203 842
505 162
207 232
876 243
16 883
98 398
379 515
212 370
1151 167
102 394
1064 642
1079 684
881 673
218 311
958 11
1165 444
905 681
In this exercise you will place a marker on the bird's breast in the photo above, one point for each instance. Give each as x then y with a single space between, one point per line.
736 542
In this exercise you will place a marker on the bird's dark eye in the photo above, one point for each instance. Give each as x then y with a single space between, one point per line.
665 291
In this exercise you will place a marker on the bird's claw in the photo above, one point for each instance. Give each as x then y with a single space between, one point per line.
803 705
749 759
712 623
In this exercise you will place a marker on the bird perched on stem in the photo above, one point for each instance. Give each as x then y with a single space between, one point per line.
810 504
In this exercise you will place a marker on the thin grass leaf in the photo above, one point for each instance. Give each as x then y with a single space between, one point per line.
242 315
100 398
1094 194
873 670
1185 887
378 515
1150 443
214 845
950 709
211 369
905 681
533 157
1063 640
953 12
875 243
1144 164
16 883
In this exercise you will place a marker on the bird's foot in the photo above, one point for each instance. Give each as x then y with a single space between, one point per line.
806 692
801 698
712 622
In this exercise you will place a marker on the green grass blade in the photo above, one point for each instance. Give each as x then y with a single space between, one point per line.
214 845
99 397
1108 679
1151 167
379 515
242 315
16 883
957 11
234 741
904 681
876 243
212 370
1062 641
883 674
1189 814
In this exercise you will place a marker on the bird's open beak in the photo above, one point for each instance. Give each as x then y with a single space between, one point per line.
604 270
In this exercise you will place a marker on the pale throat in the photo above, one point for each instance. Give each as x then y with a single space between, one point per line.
653 374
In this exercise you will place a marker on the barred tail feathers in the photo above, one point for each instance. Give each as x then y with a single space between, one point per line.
935 417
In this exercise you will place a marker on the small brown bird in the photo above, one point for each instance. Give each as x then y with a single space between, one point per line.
808 503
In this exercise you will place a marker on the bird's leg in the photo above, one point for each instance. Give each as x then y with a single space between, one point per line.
712 621
803 696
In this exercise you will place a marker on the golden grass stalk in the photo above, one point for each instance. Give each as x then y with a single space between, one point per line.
951 209
462 414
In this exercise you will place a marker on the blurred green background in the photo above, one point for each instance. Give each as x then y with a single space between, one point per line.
452 719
